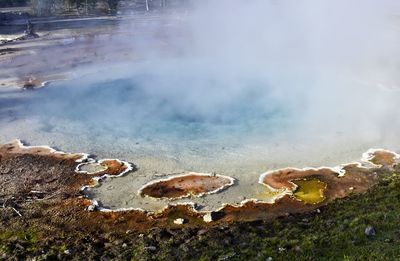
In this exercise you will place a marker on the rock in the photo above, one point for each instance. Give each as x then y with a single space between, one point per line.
151 248
208 217
370 231
19 246
91 208
212 216
179 221
202 232
269 259
281 249
227 256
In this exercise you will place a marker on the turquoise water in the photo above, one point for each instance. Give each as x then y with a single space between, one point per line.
126 108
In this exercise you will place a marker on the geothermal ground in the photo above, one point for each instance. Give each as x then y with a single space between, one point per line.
161 163
47 214
133 114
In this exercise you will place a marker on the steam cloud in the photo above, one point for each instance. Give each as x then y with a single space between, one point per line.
310 70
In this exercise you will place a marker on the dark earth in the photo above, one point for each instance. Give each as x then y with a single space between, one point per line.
43 217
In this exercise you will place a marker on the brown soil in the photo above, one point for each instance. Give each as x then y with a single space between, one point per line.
184 186
252 210
16 148
39 180
113 167
356 179
38 184
383 158
110 167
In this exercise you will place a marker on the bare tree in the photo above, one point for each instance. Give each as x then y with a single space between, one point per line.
42 7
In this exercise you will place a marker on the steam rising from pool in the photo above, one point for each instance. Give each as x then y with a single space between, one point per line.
284 77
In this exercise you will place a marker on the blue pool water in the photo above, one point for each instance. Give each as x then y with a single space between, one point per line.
128 108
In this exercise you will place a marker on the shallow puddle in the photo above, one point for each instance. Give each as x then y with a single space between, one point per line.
92 168
310 191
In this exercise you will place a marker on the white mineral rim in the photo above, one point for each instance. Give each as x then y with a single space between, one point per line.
370 154
84 159
223 187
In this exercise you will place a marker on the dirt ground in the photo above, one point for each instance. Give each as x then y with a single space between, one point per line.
43 215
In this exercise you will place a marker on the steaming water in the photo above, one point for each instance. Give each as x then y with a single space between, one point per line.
229 101
152 124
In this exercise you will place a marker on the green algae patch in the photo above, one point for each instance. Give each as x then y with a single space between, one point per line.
310 191
267 194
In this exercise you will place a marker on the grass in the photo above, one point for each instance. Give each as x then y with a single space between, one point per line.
28 237
336 233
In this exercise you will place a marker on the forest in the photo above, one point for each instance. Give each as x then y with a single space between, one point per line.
86 7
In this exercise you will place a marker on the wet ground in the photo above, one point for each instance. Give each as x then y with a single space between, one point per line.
107 97
43 215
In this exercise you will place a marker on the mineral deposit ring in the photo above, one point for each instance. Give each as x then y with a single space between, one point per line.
186 185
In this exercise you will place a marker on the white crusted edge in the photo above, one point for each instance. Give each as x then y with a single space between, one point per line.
93 161
84 159
148 212
97 180
84 156
230 179
244 202
366 157
42 85
234 205
129 167
339 170
88 161
369 155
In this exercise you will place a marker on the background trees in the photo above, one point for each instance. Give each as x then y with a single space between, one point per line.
86 7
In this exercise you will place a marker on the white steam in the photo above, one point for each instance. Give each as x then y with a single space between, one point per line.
311 72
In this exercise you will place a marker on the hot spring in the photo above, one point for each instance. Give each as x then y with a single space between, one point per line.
284 86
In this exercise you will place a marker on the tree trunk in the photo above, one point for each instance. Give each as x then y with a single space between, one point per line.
147 5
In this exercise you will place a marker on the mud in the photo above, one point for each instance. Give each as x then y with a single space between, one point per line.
112 167
357 179
380 157
39 173
192 184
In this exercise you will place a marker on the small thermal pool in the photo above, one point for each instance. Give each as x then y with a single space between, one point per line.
310 191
